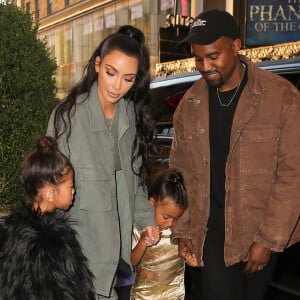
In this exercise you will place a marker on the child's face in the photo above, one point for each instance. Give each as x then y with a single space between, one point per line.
166 212
59 196
64 192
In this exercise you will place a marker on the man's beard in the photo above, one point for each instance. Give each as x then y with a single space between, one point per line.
216 84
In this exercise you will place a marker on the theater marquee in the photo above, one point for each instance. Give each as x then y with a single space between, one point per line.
271 22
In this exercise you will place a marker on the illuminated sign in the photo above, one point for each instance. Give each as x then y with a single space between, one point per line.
172 20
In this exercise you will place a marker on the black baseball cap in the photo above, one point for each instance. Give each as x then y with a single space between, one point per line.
210 25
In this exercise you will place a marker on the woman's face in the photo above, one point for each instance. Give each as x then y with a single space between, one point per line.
116 76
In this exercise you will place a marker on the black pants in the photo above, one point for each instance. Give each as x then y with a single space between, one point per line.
123 292
215 281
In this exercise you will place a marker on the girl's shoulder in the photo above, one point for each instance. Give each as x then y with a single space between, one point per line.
46 254
28 227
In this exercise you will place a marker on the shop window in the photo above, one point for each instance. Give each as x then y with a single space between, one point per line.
173 28
183 7
28 6
37 9
50 7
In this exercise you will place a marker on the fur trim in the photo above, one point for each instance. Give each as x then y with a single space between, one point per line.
41 259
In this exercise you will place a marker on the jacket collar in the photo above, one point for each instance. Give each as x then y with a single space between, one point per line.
96 116
254 83
254 86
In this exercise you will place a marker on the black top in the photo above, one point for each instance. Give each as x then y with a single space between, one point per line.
220 122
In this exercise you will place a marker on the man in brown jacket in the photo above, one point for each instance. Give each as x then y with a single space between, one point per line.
237 144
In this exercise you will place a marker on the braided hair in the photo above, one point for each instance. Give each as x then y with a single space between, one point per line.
169 184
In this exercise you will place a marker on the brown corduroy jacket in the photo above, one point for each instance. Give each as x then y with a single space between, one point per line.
262 201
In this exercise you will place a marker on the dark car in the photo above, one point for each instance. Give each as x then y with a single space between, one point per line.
166 94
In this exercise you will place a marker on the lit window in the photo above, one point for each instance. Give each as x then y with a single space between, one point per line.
37 9
50 7
28 6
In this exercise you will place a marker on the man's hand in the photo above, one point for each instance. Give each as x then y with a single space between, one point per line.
257 258
186 251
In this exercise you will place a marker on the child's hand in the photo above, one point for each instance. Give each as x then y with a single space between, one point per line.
151 235
186 251
190 259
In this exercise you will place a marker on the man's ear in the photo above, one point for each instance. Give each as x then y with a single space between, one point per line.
97 63
236 46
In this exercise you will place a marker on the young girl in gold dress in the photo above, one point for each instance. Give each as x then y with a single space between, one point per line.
159 271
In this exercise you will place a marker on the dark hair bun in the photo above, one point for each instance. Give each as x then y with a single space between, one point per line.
132 32
176 177
46 144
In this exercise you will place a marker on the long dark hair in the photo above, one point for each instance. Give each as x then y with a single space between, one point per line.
43 165
130 41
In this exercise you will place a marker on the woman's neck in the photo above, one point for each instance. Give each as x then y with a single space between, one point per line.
109 110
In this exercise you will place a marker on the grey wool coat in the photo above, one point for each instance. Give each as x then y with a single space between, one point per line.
106 204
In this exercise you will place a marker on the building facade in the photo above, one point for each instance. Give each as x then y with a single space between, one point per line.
74 28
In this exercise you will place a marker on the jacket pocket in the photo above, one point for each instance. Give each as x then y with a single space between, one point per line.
95 189
258 150
195 146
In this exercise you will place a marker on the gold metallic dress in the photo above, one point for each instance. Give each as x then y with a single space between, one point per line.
160 273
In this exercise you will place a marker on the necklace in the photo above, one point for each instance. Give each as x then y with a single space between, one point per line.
109 123
236 90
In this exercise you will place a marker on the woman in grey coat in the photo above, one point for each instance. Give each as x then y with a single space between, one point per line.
104 127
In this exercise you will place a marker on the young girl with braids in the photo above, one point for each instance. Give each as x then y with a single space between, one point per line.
159 271
40 257
104 127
